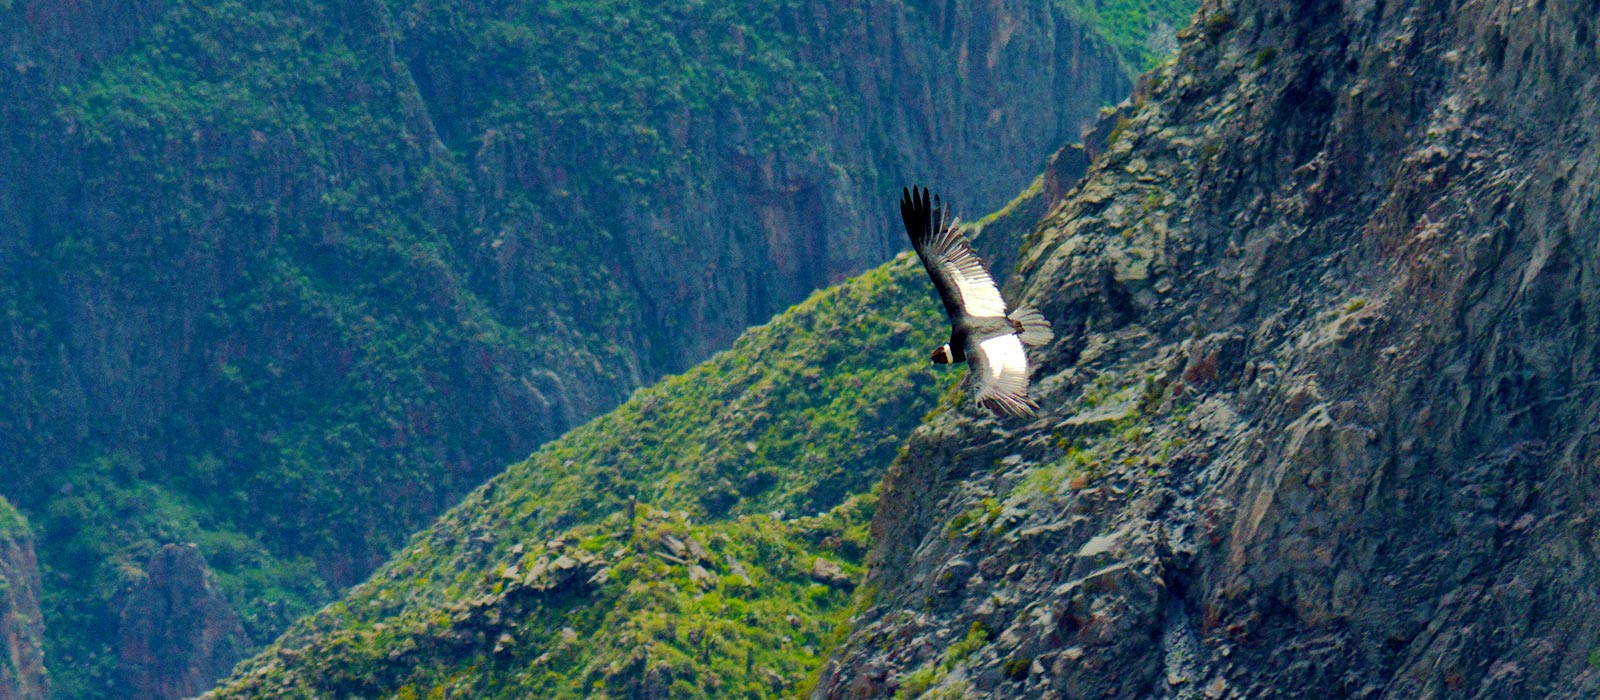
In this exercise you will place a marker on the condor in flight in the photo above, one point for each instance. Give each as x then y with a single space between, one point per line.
981 332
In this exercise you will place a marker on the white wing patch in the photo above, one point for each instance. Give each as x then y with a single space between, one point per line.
1003 379
979 295
1005 358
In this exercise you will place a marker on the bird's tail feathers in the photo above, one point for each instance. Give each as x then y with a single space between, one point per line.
1031 327
1007 405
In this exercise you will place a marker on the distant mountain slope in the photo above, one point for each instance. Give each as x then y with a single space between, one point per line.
1321 416
287 278
1143 31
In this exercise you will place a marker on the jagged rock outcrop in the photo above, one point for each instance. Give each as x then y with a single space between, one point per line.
1320 418
177 635
22 671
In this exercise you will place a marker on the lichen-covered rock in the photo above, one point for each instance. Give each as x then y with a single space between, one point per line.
22 671
1319 419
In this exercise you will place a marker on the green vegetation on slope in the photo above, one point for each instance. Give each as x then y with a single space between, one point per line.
619 80
11 521
802 415
1142 30
730 609
798 415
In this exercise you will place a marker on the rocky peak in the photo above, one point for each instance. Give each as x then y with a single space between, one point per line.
1319 419
177 634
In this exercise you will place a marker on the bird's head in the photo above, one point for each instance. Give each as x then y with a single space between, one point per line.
941 354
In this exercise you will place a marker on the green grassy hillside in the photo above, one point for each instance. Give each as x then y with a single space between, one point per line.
609 609
711 585
1142 30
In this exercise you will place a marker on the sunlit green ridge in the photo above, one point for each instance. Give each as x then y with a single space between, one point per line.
801 416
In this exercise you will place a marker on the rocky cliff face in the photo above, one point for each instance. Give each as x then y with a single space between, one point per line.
973 94
1320 419
352 258
22 673
177 634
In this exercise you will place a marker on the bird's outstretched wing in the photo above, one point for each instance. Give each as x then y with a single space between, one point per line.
957 272
1000 368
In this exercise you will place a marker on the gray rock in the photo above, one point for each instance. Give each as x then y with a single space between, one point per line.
177 635
830 574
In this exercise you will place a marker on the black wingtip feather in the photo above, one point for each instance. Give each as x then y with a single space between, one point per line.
909 214
921 218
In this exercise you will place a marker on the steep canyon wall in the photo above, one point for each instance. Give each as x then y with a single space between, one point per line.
1320 420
